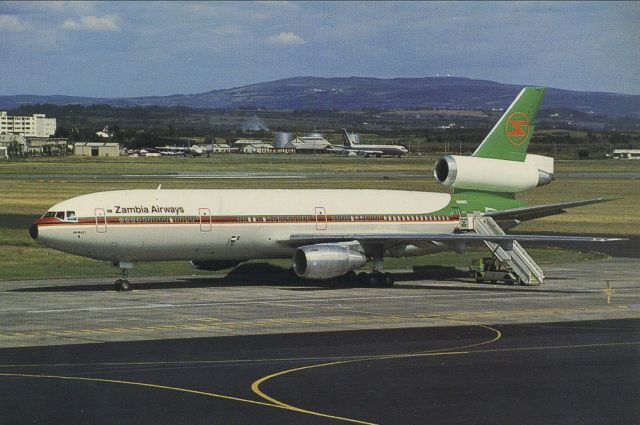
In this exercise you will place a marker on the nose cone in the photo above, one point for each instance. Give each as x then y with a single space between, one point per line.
33 231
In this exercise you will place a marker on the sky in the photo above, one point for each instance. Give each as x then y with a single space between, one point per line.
127 49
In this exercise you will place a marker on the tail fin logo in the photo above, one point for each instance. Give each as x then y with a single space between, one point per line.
517 128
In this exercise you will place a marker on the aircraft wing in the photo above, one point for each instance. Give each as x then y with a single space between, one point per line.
538 211
368 152
410 238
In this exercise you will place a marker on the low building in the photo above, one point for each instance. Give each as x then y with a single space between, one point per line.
625 154
46 146
256 148
253 146
15 145
36 125
221 148
244 142
96 149
4 152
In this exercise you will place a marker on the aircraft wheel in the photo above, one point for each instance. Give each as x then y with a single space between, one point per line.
122 285
347 279
350 276
363 280
375 280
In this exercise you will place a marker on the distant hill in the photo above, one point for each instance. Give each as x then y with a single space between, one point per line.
360 93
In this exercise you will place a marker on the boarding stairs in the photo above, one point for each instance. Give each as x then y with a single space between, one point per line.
510 253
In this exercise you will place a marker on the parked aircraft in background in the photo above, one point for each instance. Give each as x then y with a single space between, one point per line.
327 233
194 150
349 147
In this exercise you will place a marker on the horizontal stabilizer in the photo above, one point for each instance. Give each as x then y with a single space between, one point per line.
538 211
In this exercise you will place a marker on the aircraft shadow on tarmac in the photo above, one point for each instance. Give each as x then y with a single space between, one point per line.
263 274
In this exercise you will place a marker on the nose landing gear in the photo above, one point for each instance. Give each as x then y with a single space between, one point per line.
123 284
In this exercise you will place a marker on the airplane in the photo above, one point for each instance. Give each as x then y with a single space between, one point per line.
349 147
327 233
194 150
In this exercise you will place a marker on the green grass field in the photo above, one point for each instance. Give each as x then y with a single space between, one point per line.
279 162
23 199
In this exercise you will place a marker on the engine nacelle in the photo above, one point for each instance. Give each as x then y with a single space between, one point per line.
497 175
214 265
326 261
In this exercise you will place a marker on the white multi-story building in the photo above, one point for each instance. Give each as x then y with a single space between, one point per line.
35 126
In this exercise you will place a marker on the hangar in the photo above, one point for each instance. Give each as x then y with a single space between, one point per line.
96 149
312 143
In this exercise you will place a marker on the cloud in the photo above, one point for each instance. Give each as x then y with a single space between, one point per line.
286 38
93 23
11 23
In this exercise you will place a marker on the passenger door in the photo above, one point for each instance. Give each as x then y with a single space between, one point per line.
101 220
205 219
321 218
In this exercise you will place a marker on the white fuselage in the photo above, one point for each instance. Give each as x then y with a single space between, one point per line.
201 224
393 150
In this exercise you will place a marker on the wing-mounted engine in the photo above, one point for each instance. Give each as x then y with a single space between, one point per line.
496 175
326 261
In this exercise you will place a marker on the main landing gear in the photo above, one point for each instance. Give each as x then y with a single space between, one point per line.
123 284
376 279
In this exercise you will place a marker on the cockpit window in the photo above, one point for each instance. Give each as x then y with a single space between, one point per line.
62 215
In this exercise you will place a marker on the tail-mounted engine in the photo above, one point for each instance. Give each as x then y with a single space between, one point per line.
495 175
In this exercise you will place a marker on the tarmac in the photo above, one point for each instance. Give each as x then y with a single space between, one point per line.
570 372
76 311
257 346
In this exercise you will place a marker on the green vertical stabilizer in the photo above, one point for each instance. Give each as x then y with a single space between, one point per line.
509 138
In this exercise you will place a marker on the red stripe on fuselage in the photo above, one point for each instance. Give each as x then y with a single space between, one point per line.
142 220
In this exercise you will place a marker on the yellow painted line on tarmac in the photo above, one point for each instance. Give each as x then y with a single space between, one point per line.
183 362
262 323
255 386
212 324
146 385
557 347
